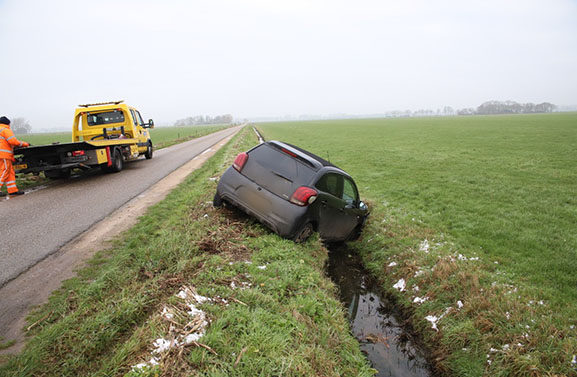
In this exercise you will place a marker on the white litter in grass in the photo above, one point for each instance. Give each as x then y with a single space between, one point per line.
574 361
392 264
194 337
572 327
197 316
247 262
424 246
160 345
493 350
205 216
416 288
459 304
400 285
461 257
420 300
433 319
508 315
506 347
261 267
213 178
166 313
419 273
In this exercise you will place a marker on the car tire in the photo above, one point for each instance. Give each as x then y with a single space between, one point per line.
217 201
148 153
303 233
117 162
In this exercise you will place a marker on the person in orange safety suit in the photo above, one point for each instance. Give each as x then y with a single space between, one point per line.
7 143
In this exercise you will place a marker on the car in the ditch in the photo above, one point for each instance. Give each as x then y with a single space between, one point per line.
294 193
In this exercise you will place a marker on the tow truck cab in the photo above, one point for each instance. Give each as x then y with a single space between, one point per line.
113 120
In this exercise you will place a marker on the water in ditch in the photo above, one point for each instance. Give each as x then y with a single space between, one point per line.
374 321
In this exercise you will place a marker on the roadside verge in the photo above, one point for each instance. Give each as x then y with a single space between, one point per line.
34 286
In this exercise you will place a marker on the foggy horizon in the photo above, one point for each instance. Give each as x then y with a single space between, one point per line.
259 59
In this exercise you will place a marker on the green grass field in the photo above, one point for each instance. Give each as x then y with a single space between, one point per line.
500 188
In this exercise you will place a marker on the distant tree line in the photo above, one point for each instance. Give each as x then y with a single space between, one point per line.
508 107
20 126
202 119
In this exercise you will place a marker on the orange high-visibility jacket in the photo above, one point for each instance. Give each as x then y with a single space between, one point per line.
8 141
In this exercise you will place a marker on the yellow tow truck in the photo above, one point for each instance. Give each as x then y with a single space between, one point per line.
104 135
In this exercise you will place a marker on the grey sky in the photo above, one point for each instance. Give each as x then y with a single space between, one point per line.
173 59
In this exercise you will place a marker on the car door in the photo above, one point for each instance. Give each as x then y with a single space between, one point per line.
336 221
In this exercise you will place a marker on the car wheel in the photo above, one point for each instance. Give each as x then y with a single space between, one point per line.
217 201
304 233
148 153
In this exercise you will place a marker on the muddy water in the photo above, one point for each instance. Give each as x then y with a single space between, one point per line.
374 323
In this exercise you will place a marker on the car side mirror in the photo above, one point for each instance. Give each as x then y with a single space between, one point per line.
150 124
363 206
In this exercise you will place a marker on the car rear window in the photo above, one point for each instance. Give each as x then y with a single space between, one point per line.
276 171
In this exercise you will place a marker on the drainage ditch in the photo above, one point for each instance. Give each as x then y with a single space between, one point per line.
373 318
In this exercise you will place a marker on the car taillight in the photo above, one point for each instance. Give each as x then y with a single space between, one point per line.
78 153
303 196
240 160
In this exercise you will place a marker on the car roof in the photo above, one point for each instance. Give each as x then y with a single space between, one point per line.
312 159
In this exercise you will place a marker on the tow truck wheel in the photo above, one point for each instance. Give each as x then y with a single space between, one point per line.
117 162
148 153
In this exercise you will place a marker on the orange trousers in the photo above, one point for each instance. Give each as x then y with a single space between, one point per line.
7 176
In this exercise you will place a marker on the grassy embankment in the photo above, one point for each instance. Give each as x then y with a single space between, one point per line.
162 137
273 312
474 211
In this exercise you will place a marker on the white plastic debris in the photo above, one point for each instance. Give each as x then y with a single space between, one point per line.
160 345
433 319
400 285
459 304
261 267
166 313
420 300
574 361
419 273
392 264
424 246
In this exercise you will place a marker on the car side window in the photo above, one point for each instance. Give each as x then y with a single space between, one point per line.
349 192
331 183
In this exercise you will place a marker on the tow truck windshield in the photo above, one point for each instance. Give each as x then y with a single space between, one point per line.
105 118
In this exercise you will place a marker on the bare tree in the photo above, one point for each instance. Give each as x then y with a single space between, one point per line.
20 126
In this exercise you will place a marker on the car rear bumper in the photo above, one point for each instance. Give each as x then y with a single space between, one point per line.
281 216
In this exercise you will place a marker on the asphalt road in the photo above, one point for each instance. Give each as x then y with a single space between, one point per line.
39 223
